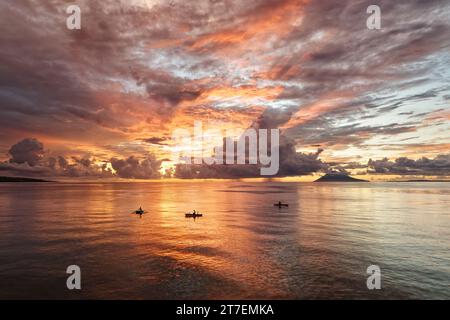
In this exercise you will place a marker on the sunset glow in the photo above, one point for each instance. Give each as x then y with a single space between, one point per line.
121 85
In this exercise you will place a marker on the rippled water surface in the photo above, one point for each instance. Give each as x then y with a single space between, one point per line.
242 248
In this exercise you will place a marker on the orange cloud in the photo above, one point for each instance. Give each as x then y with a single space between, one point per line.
243 93
275 21
327 103
438 116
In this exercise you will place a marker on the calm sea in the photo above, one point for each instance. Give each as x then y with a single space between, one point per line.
242 248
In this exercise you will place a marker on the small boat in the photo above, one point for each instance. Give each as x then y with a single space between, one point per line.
139 211
279 204
193 215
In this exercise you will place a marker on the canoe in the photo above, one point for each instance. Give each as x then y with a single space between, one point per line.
280 205
192 215
139 212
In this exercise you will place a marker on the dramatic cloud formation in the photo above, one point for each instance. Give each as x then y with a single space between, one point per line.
27 151
292 163
28 160
132 168
438 166
139 69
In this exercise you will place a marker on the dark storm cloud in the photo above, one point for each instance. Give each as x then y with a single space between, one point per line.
438 166
133 168
53 167
291 162
28 160
28 151
85 162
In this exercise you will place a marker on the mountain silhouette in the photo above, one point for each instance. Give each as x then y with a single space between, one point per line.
338 177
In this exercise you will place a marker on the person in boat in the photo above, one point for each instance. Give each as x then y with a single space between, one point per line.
193 212
139 211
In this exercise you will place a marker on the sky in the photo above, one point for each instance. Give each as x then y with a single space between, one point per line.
103 101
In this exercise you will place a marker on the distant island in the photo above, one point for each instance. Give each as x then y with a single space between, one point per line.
420 180
338 177
20 179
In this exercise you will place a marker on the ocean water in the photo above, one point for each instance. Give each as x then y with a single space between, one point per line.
242 248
